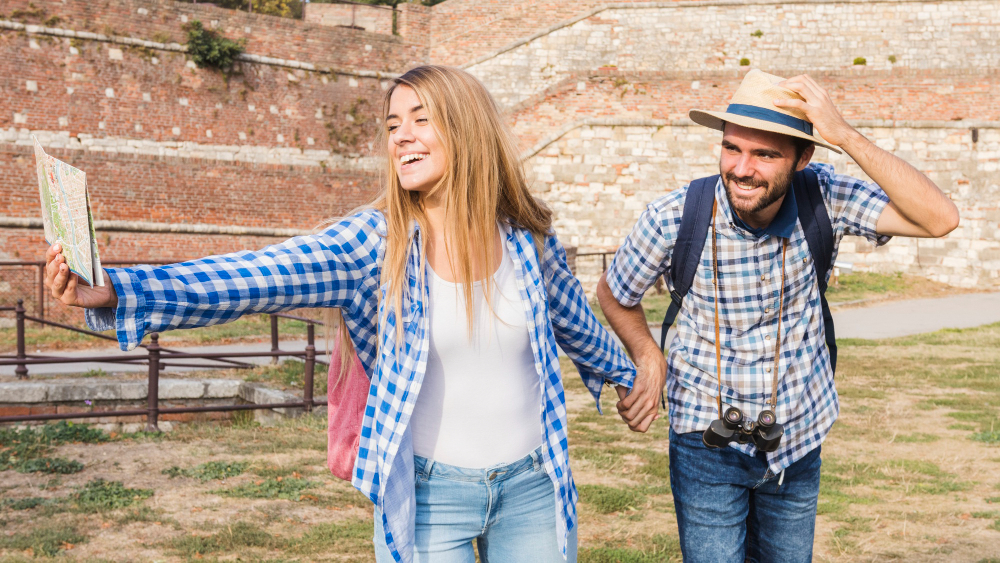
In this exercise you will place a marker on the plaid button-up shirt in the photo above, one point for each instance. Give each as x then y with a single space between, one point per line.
340 267
749 289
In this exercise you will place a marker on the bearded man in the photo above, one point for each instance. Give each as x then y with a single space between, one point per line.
749 374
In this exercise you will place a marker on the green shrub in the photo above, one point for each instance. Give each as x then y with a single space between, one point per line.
757 33
860 61
209 49
744 62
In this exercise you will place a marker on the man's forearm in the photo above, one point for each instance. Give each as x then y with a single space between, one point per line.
911 192
629 323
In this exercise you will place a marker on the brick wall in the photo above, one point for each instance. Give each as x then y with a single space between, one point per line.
162 20
101 89
184 191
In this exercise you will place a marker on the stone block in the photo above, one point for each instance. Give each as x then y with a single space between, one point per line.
70 390
222 388
23 392
181 389
133 390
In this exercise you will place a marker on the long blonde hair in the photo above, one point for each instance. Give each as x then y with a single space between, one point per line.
483 183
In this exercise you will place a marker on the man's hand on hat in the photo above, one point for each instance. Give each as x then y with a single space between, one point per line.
818 107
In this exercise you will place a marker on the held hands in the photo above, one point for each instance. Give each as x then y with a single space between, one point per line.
641 407
66 287
819 109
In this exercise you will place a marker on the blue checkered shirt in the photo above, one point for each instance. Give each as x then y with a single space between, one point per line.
749 289
340 267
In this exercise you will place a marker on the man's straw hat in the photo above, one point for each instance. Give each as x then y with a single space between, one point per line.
753 106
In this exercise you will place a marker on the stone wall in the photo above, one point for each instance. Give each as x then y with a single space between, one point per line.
812 35
376 19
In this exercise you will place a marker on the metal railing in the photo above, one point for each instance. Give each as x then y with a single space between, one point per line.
40 278
159 358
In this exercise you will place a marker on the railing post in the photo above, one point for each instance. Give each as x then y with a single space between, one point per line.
274 338
21 370
604 262
41 291
153 393
310 367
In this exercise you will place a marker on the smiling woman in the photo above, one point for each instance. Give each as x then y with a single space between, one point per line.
454 294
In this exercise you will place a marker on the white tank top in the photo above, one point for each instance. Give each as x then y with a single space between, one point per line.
480 402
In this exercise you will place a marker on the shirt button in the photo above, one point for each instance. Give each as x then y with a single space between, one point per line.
768 370
763 278
767 310
767 337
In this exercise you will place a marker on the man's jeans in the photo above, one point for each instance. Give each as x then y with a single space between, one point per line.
731 509
508 510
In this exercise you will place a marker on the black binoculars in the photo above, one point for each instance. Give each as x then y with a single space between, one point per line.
765 433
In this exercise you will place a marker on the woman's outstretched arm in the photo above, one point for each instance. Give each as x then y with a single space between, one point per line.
328 269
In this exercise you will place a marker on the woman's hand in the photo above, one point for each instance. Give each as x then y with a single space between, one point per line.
66 287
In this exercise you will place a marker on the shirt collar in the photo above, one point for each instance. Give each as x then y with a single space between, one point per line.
783 224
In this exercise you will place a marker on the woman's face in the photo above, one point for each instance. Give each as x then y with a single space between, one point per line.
414 147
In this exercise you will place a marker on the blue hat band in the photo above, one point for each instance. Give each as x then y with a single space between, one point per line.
772 116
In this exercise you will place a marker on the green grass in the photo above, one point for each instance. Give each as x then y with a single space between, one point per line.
25 450
46 540
276 488
232 538
50 465
100 496
209 471
24 503
285 435
660 548
349 537
606 500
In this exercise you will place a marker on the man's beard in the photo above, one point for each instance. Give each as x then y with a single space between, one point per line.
773 191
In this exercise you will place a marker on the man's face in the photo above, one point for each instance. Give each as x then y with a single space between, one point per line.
757 168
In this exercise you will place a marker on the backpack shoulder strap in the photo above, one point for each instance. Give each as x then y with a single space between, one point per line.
819 236
689 245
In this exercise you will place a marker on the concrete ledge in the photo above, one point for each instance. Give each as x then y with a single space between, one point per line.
65 395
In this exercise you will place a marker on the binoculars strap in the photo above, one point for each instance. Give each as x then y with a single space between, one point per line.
781 304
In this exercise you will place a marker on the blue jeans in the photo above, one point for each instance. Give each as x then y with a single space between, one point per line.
508 510
731 509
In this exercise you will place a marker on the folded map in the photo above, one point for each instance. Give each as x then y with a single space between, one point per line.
67 217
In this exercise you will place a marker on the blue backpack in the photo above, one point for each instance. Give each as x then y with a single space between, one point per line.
694 230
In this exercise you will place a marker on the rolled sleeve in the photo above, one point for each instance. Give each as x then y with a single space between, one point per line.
855 205
129 318
645 254
597 356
